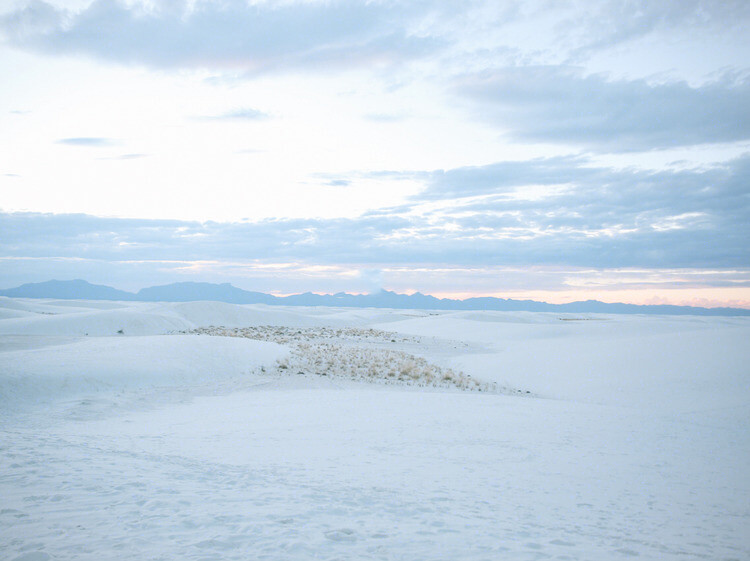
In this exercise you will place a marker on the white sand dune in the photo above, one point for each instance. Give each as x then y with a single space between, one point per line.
97 323
8 313
201 314
113 364
632 442
669 366
670 363
91 319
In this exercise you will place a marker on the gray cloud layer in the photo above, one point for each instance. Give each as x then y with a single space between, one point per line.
255 38
557 105
611 23
590 217
169 33
246 114
87 141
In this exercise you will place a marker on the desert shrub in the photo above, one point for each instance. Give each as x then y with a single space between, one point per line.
353 354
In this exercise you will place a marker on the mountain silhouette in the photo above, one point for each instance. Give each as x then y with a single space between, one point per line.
194 291
67 290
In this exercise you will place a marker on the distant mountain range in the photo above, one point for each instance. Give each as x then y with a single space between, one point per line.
194 291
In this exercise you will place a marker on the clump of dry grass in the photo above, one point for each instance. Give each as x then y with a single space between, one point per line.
341 353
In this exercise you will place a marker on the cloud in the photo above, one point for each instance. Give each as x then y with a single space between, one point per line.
502 177
135 156
558 105
611 23
606 229
35 17
599 218
338 183
246 114
565 210
92 141
384 117
252 37
372 279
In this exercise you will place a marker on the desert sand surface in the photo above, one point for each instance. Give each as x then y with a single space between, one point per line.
214 431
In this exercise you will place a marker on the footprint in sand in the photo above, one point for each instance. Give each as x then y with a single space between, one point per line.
342 535
562 542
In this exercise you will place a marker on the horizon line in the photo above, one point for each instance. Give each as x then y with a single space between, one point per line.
454 297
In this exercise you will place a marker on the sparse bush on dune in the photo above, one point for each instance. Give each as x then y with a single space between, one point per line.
354 354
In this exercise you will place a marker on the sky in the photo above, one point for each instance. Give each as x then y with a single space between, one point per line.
554 150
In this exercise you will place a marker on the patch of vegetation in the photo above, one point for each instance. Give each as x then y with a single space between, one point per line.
353 354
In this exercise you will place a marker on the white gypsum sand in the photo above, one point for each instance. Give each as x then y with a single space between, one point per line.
151 444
